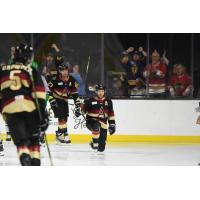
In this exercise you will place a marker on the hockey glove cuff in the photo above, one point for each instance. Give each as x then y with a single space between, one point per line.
112 128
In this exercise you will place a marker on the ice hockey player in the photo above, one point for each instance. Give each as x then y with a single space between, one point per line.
22 99
99 111
61 87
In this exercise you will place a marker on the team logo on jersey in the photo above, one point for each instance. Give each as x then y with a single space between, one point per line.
70 84
50 84
134 69
106 103
94 102
60 83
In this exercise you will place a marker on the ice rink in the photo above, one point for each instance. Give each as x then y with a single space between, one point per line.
116 154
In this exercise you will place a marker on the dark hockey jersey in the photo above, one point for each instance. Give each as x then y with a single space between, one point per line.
17 91
63 89
99 109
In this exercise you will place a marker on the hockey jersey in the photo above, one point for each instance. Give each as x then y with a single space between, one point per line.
133 68
100 110
63 89
156 76
20 85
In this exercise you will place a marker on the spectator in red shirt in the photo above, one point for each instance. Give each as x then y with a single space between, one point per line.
155 74
180 83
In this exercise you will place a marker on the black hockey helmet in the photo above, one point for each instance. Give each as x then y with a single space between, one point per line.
23 54
99 87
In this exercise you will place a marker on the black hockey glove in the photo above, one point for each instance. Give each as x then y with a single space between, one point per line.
112 129
44 123
53 103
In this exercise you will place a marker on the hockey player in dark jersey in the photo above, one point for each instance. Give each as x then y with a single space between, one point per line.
22 98
99 111
62 86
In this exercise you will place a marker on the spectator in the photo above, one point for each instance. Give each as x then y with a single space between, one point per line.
180 83
134 66
164 59
155 74
119 87
49 67
12 55
78 78
51 61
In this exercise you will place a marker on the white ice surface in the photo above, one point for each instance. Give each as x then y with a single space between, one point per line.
115 155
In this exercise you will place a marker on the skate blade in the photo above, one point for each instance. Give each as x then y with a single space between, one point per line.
62 144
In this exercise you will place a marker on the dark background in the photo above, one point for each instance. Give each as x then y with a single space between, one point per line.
77 47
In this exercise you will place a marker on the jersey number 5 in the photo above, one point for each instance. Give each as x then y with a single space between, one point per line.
15 80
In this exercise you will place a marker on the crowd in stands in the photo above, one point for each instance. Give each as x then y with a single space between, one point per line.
155 79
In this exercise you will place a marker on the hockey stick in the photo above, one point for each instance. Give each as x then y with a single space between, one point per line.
40 117
87 68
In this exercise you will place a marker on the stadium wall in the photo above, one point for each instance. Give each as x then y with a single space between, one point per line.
140 121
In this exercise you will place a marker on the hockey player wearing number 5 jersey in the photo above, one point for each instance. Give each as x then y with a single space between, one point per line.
20 88
62 86
99 111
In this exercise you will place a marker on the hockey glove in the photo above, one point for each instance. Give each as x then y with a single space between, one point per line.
112 129
53 103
